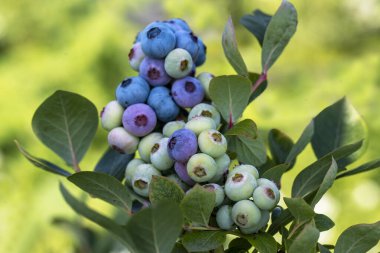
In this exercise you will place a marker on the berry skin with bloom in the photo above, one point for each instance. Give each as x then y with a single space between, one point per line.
131 169
187 92
111 115
182 145
153 71
139 119
246 214
189 42
135 56
142 178
205 79
248 168
240 186
200 124
224 217
178 63
201 167
162 103
122 141
132 90
172 126
180 169
159 155
212 142
205 110
146 144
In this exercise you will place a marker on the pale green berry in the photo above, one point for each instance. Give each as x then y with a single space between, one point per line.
262 223
131 169
199 124
136 56
111 115
146 145
266 197
142 178
205 79
240 186
172 126
246 214
205 110
222 162
178 63
212 142
201 167
224 217
219 192
122 141
246 167
159 155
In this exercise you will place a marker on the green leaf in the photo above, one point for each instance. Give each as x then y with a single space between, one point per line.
231 50
113 163
256 23
280 30
309 179
230 95
156 229
323 249
66 123
264 243
41 163
306 240
362 168
198 204
254 77
358 238
178 248
237 244
301 143
284 219
162 188
327 182
300 210
105 187
99 219
323 222
275 173
280 145
338 125
198 241
243 140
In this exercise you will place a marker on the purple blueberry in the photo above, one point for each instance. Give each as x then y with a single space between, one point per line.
139 119
180 169
187 92
189 42
132 90
153 71
157 40
182 145
162 103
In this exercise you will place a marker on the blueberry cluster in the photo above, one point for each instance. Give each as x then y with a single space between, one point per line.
166 54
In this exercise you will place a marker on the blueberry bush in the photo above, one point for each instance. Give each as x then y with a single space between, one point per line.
184 170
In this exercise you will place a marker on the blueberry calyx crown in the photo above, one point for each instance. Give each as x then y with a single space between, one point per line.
217 137
153 73
189 87
141 120
126 82
183 65
155 148
153 32
200 171
237 178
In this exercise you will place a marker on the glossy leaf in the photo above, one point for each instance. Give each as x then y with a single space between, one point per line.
263 243
197 205
66 123
105 187
197 241
230 95
244 141
41 163
323 222
254 77
231 50
338 125
300 210
375 164
306 240
162 188
237 244
358 238
301 143
279 31
275 173
113 163
256 23
279 145
156 229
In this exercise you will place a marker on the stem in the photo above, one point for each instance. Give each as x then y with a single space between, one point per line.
201 228
262 78
76 167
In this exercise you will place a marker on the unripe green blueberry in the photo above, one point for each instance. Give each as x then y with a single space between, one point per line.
159 155
240 186
246 214
201 167
262 223
222 162
122 141
205 110
146 145
172 126
136 56
178 63
266 197
212 142
131 169
205 79
174 178
111 115
270 184
246 167
224 217
218 190
142 178
199 124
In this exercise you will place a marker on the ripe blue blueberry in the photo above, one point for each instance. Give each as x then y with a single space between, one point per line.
139 119
146 144
224 217
205 110
178 24
132 90
218 190
212 142
266 197
199 124
180 169
122 141
182 145
159 155
189 42
162 103
262 223
172 126
248 168
240 186
111 115
136 55
276 212
131 169
178 63
222 162
157 40
153 71
205 79
142 178
246 214
201 167
201 58
187 92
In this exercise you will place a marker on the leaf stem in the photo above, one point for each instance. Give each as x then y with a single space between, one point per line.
201 228
262 78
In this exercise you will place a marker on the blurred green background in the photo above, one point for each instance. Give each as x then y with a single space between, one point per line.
82 46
